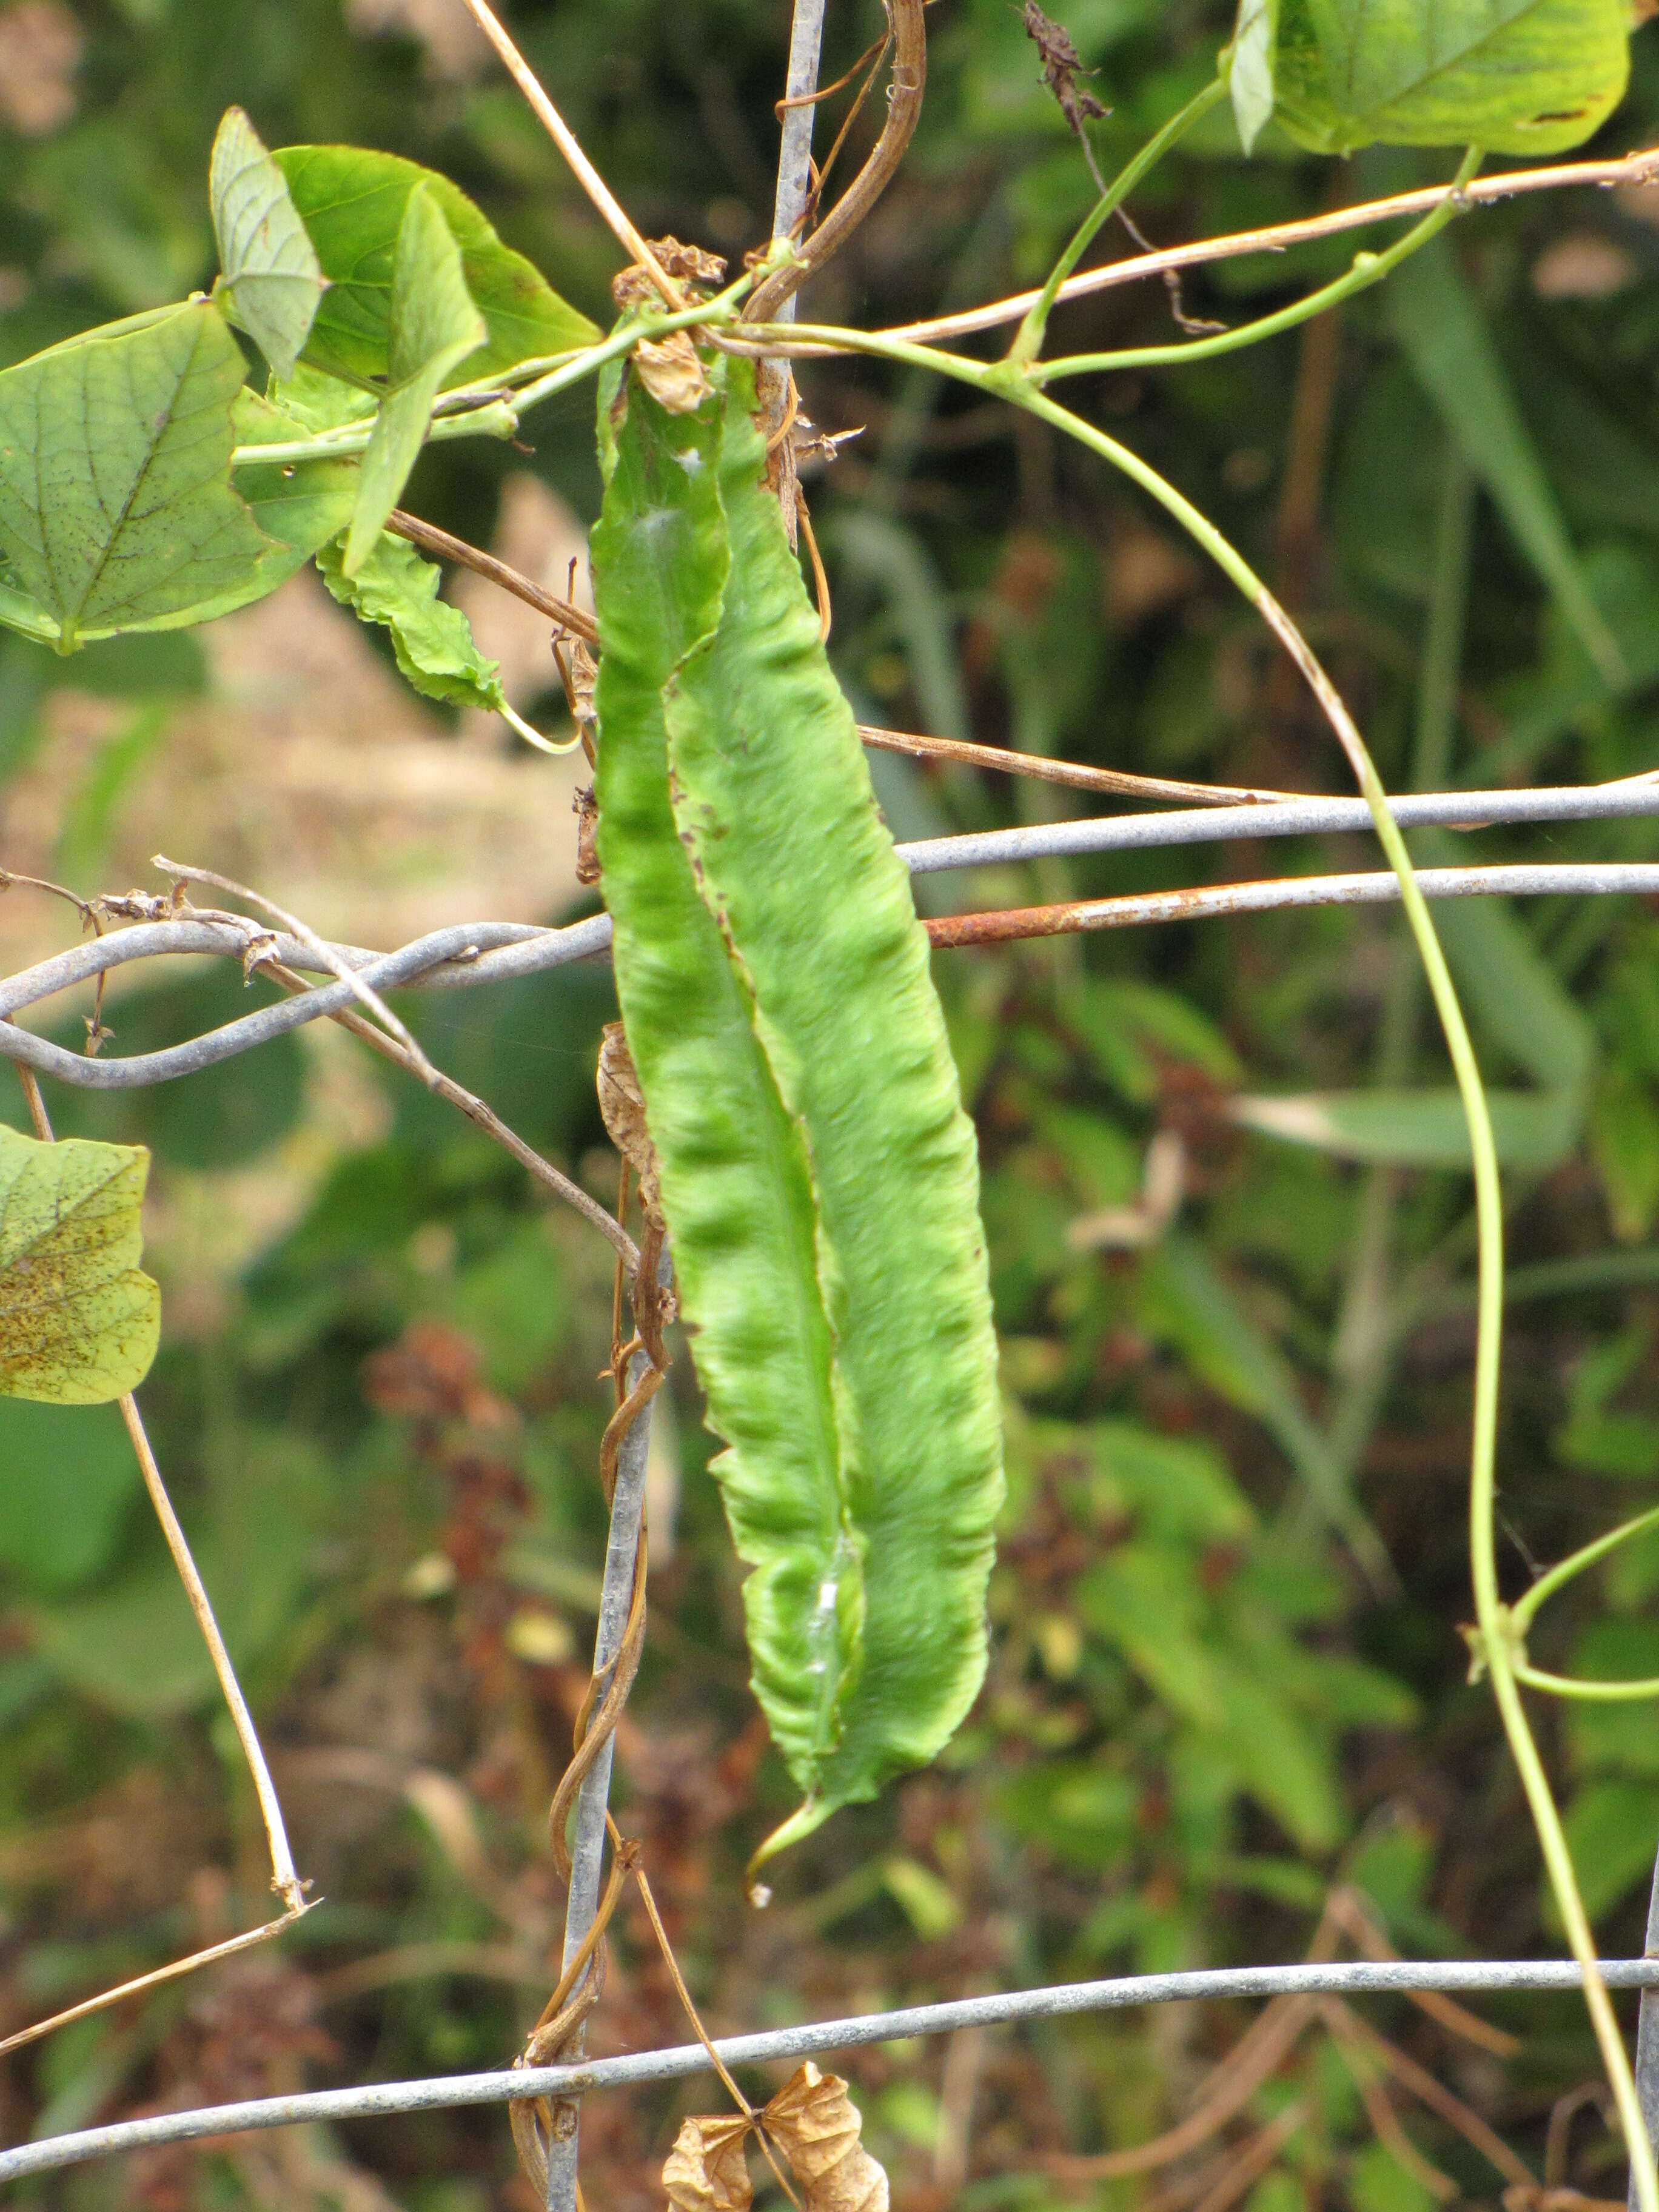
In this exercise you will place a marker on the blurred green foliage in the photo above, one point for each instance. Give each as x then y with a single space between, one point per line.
1227 1670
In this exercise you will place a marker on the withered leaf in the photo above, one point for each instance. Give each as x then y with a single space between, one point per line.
671 372
623 1106
584 675
1062 65
814 2123
705 2171
588 870
686 265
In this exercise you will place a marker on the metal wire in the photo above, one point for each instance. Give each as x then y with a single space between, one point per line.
468 954
385 2099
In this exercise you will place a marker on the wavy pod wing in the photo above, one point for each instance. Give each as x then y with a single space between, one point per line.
733 1168
850 1268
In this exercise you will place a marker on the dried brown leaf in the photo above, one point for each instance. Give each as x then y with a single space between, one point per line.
815 2125
687 265
705 2171
671 372
1062 65
588 870
584 675
623 1106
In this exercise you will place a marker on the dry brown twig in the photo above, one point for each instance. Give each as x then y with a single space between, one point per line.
284 1877
443 547
336 967
565 139
910 77
482 1115
1268 2042
1639 168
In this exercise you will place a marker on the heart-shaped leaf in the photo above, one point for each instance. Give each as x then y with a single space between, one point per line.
78 1319
1516 77
302 504
352 202
434 326
272 279
117 510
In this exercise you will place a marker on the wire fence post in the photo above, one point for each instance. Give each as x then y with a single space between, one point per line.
795 148
592 1800
1647 2037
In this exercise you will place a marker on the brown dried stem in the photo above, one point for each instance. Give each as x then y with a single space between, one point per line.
910 77
565 139
1639 168
484 1116
284 1877
1083 778
443 547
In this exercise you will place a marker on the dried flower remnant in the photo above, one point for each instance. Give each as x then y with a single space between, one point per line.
671 372
705 2171
816 2125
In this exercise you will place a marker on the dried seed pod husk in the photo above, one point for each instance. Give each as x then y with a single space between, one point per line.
707 2171
671 372
816 2125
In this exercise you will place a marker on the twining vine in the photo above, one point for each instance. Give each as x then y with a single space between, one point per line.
799 1137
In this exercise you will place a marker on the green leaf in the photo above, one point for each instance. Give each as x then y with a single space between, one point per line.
1532 1130
319 402
1186 1302
272 279
1517 997
434 326
352 202
1250 69
433 641
1516 77
47 1547
299 504
1438 324
117 510
78 1321
817 1173
1625 1142
1610 1828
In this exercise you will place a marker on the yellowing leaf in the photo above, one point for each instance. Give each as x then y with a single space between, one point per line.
78 1319
705 2171
815 2125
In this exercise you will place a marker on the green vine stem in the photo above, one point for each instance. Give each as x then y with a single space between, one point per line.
1027 342
1018 379
1492 1632
1365 270
1568 1686
1521 1613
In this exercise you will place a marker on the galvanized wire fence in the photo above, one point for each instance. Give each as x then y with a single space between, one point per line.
134 927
